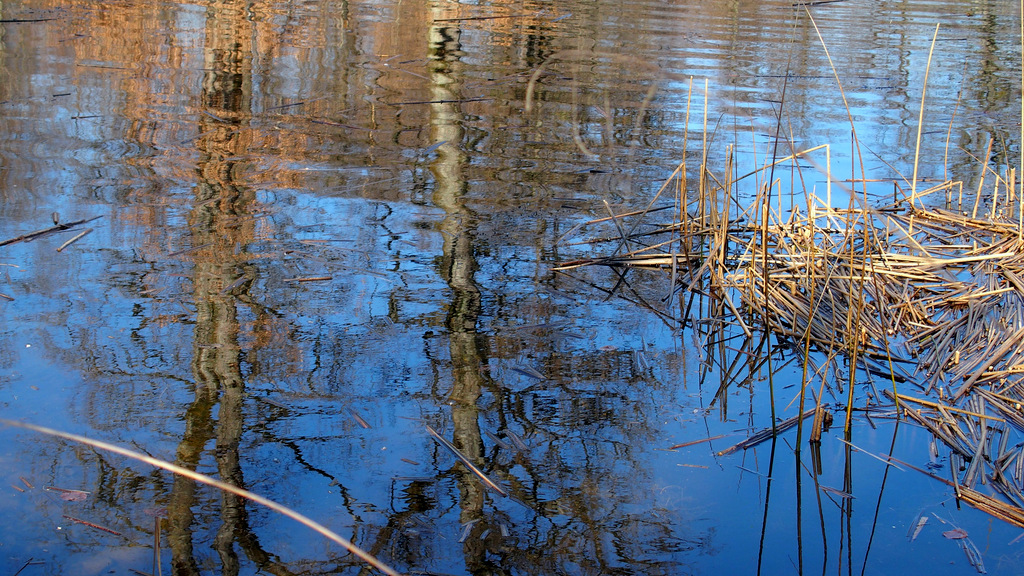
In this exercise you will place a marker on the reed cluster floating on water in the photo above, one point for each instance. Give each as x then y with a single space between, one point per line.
927 300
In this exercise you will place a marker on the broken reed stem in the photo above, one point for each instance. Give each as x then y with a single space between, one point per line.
920 118
767 433
995 199
703 184
828 177
811 283
78 237
765 211
466 462
981 177
681 193
938 406
47 231
204 479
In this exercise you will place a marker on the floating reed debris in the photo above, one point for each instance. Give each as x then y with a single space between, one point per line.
359 419
527 371
237 283
928 299
310 279
465 461
497 441
77 237
927 287
695 442
92 525
47 231
1007 512
767 433
69 495
916 527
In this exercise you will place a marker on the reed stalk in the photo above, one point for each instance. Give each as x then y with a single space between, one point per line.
920 118
929 297
223 486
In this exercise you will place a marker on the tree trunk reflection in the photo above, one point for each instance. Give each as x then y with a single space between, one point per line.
458 266
222 222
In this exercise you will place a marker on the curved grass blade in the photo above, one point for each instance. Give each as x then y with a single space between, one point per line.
204 479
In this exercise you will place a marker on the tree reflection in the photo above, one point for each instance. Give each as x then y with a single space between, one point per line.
221 222
576 491
458 265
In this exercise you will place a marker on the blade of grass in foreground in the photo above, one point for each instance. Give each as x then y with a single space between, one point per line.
202 478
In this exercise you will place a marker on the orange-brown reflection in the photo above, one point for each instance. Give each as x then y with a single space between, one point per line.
221 221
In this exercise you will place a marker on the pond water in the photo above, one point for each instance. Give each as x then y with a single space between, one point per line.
323 226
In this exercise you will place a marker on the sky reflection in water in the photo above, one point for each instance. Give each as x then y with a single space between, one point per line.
320 215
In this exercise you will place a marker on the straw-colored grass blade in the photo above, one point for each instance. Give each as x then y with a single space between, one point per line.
204 479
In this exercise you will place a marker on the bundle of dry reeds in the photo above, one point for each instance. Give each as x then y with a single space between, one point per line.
926 297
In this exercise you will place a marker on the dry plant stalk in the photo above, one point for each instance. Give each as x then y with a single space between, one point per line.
930 297
204 479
